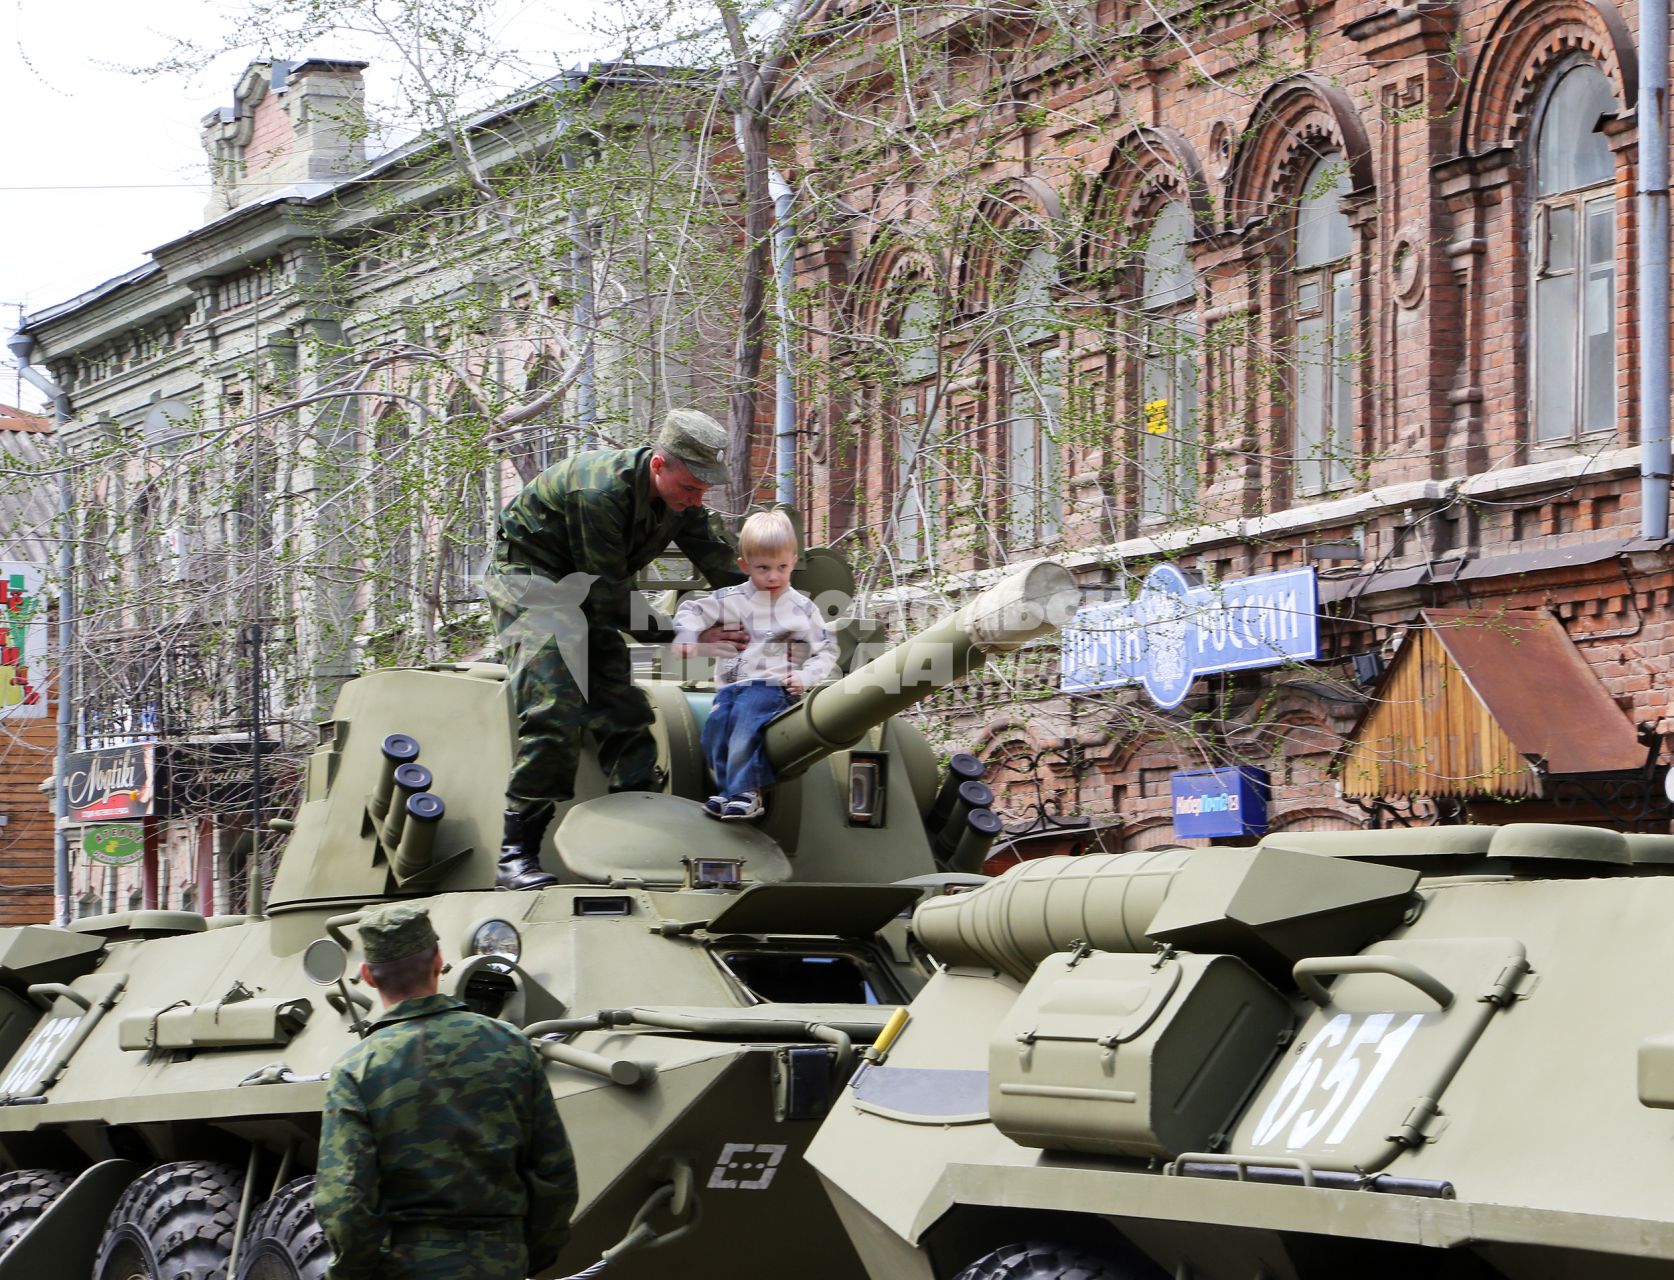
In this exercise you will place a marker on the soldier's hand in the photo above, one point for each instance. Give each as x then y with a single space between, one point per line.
722 641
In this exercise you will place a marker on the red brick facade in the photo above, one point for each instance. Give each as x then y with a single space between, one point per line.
1429 112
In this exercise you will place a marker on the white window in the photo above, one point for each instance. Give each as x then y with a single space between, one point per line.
1574 259
1169 457
1322 301
1034 488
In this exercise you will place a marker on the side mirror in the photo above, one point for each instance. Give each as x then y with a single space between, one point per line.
325 962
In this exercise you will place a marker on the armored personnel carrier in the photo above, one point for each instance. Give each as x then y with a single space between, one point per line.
1445 1052
699 989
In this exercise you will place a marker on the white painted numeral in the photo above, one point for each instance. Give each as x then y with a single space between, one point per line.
1302 1085
42 1048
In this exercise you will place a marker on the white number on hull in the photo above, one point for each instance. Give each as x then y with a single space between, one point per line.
1349 1034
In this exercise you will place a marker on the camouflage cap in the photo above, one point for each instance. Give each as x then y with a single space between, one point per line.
698 441
395 933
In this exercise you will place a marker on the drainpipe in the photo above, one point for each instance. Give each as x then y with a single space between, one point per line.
581 271
1655 462
784 401
21 345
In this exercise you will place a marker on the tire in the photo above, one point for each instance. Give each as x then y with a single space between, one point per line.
24 1197
284 1240
174 1223
1043 1260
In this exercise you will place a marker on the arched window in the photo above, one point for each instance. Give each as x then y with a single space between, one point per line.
917 425
1574 258
1034 403
1168 454
1322 301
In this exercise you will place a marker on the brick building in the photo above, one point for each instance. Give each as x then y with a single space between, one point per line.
28 691
1242 288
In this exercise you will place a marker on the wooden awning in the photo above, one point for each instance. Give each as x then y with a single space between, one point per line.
1483 704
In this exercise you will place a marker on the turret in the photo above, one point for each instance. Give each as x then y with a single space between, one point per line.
403 794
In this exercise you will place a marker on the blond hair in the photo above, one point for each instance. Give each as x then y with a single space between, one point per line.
765 533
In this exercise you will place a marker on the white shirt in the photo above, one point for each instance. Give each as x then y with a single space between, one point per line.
786 633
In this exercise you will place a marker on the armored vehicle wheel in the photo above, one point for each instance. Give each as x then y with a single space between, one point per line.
24 1197
174 1223
284 1240
1043 1260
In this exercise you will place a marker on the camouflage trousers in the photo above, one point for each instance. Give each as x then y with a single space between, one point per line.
563 685
434 1253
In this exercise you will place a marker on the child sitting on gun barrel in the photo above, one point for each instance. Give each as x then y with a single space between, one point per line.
790 650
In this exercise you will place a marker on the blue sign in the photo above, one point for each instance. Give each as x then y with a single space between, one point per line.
1172 632
1221 802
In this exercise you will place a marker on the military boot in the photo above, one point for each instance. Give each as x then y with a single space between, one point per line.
520 851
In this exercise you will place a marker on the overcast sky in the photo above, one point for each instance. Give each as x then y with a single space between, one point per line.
102 165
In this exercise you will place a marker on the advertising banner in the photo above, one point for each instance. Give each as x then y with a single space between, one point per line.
23 640
1174 631
1221 802
113 784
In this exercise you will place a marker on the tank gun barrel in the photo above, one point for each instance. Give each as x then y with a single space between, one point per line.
1032 602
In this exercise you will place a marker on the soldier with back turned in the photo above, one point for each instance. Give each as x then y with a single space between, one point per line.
441 1153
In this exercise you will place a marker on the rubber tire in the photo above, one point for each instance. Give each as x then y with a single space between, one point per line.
24 1196
1043 1260
175 1222
284 1240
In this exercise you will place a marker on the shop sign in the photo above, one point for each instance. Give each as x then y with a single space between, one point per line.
203 777
112 783
23 641
1174 631
114 843
1221 802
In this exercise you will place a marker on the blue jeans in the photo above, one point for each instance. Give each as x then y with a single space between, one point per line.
732 737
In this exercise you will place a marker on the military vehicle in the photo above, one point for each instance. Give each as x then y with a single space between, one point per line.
1414 1053
700 989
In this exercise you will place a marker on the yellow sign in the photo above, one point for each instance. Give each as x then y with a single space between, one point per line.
1156 417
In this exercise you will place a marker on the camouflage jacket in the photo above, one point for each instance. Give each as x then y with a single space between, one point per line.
595 513
442 1118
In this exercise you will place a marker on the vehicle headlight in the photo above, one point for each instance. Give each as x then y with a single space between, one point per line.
496 938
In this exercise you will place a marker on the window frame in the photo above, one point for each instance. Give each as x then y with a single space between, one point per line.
1169 460
1581 204
1322 341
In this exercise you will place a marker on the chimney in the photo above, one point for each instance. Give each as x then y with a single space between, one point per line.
290 122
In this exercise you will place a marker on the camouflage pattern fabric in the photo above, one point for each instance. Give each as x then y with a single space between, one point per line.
552 712
441 1152
595 513
592 514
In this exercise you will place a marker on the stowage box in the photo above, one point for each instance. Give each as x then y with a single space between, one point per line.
1138 1055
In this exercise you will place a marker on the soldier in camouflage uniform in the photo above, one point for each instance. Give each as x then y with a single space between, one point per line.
569 548
441 1153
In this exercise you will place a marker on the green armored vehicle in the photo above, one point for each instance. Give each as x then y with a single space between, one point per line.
700 989
1445 1052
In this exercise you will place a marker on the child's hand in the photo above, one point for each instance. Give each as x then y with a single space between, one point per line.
794 683
706 649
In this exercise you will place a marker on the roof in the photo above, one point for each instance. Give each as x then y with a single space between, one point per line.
604 74
28 500
1487 703
14 419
